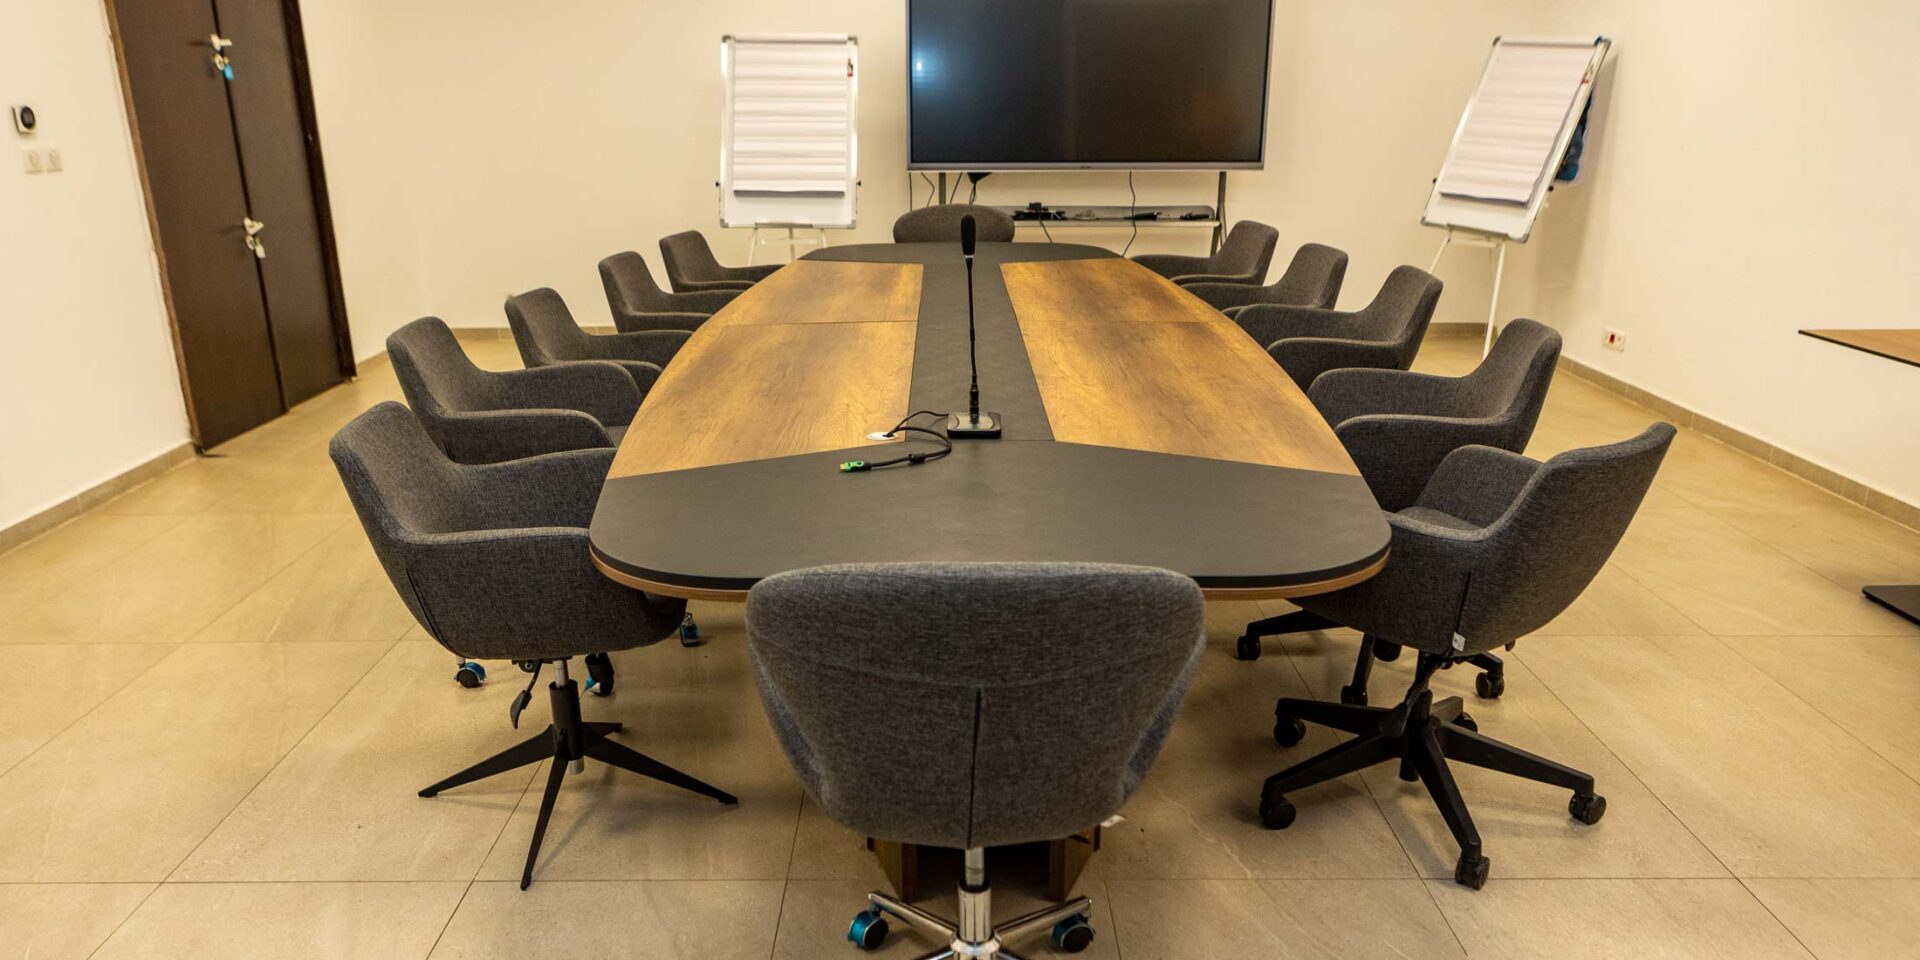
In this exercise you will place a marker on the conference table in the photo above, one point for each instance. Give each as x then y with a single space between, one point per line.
1141 427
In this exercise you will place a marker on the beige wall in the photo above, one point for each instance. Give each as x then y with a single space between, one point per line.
1755 173
89 389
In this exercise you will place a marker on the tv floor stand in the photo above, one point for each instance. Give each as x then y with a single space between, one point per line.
1104 217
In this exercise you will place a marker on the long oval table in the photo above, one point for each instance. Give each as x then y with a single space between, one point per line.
1142 427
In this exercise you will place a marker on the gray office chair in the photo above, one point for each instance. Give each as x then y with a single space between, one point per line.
1400 426
940 223
1243 258
492 561
639 304
1496 546
691 266
971 706
1312 279
483 416
1385 334
547 335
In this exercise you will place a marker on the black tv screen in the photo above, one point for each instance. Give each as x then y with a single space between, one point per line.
1021 84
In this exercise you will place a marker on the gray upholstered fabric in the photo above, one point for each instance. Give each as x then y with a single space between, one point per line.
1243 258
1498 545
1398 426
1385 334
691 266
638 303
1312 279
972 705
492 560
940 223
483 416
544 330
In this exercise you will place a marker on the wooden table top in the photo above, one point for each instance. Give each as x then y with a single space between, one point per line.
1901 345
1124 396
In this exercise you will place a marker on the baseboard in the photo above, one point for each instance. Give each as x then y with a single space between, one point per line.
39 523
1840 485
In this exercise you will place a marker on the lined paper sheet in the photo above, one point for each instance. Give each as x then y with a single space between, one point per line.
792 110
1505 147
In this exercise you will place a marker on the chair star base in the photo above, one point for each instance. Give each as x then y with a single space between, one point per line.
568 742
1422 735
974 937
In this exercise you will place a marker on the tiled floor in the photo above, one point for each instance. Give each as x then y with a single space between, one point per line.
219 715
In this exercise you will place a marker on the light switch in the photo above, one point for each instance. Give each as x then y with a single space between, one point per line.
54 163
33 160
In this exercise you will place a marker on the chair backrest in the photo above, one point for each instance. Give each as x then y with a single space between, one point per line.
972 705
630 286
1512 381
1400 312
1312 278
435 373
1557 535
686 256
1247 251
544 329
940 223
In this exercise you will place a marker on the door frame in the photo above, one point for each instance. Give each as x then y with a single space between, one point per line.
317 176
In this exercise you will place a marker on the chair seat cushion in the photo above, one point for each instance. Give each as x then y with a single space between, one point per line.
616 433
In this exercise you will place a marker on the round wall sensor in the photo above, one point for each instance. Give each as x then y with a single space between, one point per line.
24 119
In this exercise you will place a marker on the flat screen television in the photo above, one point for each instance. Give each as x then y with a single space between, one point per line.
1087 84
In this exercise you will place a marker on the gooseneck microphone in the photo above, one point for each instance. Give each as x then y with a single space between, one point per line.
973 425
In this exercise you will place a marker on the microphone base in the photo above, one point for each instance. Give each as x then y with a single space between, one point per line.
959 427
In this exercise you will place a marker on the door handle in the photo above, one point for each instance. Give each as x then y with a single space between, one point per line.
254 243
220 61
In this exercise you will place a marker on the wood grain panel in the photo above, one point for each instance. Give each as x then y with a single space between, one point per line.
824 291
768 378
1190 383
1901 345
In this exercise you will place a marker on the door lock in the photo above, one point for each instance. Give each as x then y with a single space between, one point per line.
220 61
254 243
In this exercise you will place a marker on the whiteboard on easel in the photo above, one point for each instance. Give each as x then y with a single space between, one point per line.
788 144
1514 134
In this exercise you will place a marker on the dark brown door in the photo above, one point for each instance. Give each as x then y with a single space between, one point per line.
274 153
185 132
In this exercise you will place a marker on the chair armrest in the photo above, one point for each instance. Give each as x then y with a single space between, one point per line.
1478 484
702 286
494 435
1306 358
650 346
1224 296
1268 323
753 274
496 594
1191 279
549 490
1344 394
703 301
599 389
657 322
1172 264
1398 454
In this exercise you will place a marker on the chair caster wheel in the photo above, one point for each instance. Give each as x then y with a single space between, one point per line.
1353 696
1247 648
1471 871
868 930
1465 721
470 675
1587 808
599 675
1489 686
689 631
1072 935
1288 731
1386 652
1277 813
